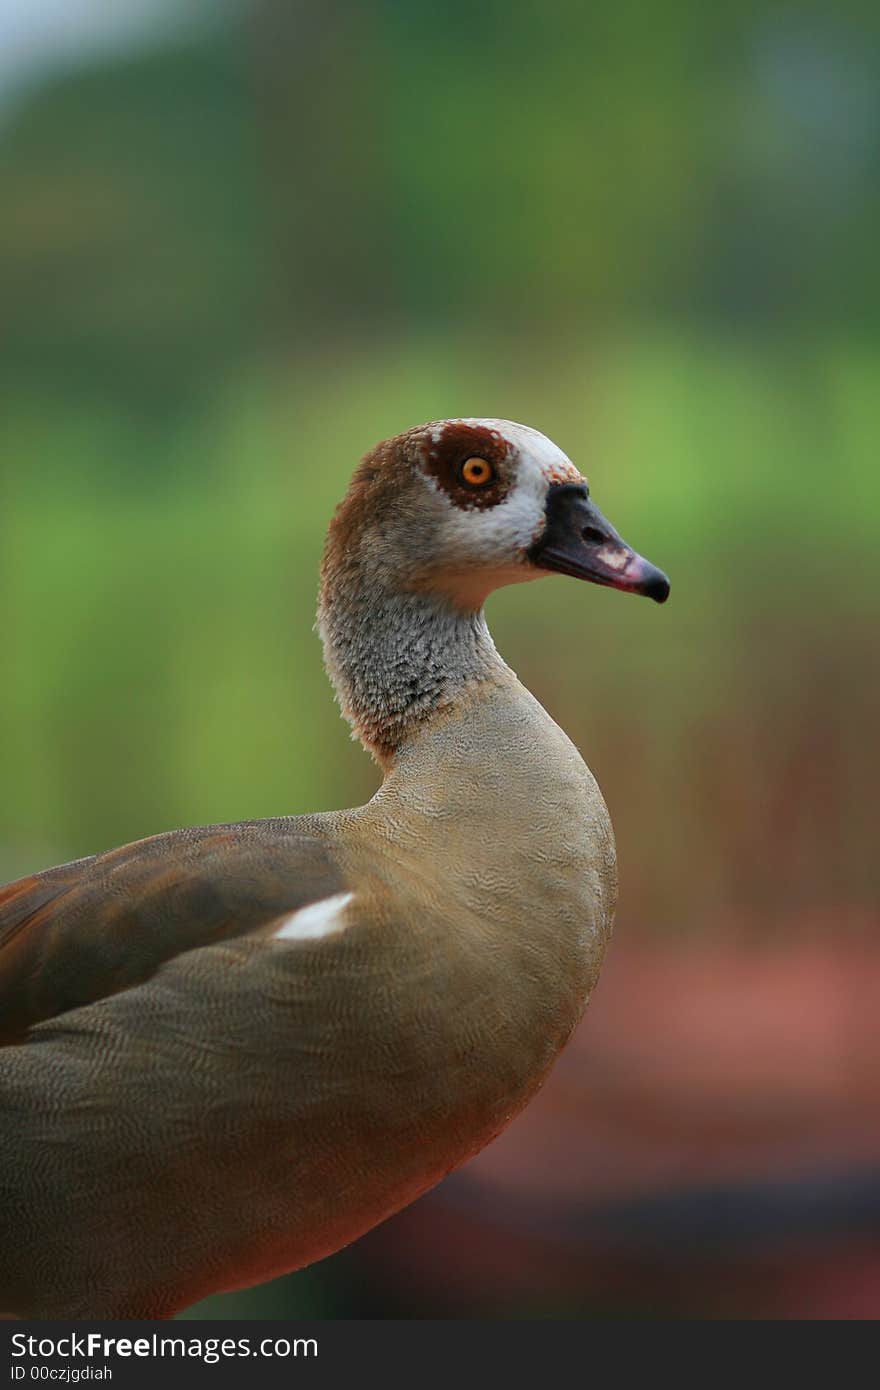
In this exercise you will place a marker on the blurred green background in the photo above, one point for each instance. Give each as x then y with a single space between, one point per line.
242 242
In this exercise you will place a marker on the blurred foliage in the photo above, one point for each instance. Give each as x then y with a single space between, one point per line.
230 263
309 171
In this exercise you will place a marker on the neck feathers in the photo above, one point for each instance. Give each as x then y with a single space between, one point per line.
395 659
396 653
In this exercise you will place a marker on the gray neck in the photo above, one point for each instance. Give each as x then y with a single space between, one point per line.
396 658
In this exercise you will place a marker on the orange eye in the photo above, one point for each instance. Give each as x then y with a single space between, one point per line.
477 472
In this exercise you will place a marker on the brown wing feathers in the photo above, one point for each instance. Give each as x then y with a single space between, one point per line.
84 930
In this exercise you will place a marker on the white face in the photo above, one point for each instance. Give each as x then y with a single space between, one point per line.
481 535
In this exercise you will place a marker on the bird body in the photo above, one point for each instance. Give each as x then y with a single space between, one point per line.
226 1052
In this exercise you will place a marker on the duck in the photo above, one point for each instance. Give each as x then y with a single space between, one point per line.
228 1051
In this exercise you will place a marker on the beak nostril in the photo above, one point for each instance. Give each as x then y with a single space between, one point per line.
590 533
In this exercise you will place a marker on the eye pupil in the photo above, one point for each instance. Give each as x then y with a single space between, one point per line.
477 472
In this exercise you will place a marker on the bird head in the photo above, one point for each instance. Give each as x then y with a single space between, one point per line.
462 507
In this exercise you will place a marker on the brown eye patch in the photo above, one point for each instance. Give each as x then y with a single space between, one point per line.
471 463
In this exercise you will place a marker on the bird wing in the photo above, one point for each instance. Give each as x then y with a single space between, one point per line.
82 931
236 1100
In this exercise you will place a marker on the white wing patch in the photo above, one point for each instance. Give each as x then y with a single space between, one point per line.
323 918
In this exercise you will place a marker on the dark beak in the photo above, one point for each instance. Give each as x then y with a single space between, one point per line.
577 540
